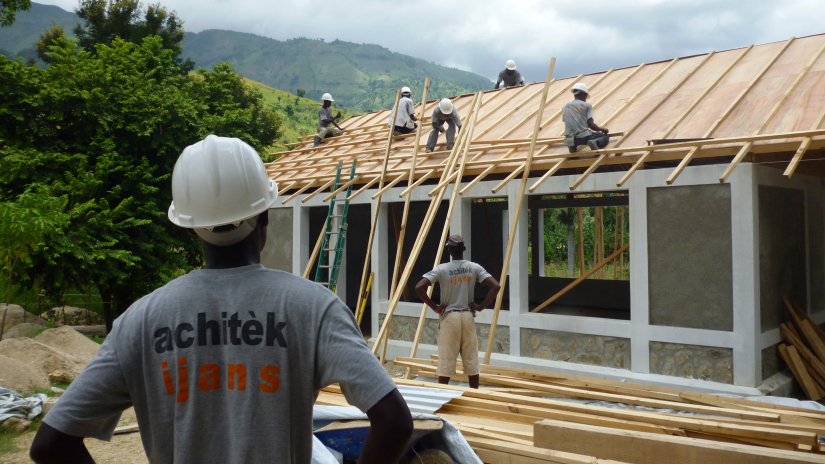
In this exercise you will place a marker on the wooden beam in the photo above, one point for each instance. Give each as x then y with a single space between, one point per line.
547 175
794 362
300 191
513 110
483 174
318 190
649 448
315 250
505 265
389 186
544 455
581 279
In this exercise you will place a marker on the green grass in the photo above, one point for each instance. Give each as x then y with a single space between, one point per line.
7 442
96 339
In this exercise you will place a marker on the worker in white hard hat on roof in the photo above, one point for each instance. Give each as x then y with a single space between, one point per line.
405 118
223 364
325 118
444 112
509 76
579 128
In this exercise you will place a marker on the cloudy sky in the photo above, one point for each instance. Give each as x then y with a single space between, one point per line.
480 35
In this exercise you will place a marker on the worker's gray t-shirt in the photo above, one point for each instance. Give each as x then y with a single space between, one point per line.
406 107
439 118
223 366
324 114
458 281
510 80
575 115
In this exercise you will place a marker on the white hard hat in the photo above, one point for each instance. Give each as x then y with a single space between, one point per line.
581 87
220 181
510 64
446 106
405 90
327 97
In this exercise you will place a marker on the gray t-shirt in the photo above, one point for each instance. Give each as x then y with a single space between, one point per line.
510 80
406 107
440 118
223 366
324 114
575 115
458 281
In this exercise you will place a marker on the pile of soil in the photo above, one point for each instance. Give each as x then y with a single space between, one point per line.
71 315
40 357
68 340
20 376
27 330
14 317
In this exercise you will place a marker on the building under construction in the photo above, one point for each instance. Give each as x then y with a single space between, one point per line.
713 181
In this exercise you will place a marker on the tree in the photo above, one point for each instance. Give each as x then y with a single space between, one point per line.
25 224
301 93
568 217
47 39
104 130
9 8
107 19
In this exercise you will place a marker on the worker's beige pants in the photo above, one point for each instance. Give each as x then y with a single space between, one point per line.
457 334
330 131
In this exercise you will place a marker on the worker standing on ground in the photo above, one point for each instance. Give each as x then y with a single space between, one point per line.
456 327
444 112
325 118
223 365
509 76
405 116
579 128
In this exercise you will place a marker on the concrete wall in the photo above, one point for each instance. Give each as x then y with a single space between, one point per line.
690 256
782 263
277 254
692 361
595 350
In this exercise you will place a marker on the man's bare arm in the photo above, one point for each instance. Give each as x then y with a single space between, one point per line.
594 127
421 291
391 427
495 287
51 446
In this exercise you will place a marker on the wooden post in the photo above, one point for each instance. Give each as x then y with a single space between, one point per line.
315 250
419 243
581 242
365 273
616 239
601 239
514 226
621 243
400 247
446 229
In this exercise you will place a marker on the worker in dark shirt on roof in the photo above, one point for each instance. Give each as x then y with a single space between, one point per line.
579 128
325 118
444 112
509 76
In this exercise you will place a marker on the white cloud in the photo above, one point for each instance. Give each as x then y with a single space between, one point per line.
479 35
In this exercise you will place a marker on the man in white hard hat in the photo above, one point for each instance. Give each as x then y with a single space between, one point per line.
405 118
509 76
444 112
223 365
579 128
325 118
456 327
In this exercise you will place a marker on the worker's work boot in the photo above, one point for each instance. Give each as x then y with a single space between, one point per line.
396 133
592 144
428 150
317 141
450 146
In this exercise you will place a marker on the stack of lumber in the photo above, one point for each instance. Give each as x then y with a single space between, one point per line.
519 415
805 352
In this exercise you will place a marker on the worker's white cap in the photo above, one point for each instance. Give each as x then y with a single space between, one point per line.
578 86
405 90
446 106
510 64
327 97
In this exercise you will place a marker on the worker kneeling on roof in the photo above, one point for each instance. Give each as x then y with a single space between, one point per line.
325 118
223 365
456 327
509 76
579 127
405 116
444 112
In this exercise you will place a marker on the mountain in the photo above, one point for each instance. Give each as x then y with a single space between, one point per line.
360 76
30 24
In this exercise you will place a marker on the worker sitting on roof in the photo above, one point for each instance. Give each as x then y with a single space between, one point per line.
325 118
444 112
509 76
578 122
405 119
456 328
223 365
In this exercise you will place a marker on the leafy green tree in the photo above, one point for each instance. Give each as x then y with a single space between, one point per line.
567 217
9 8
107 19
301 92
25 225
104 130
47 39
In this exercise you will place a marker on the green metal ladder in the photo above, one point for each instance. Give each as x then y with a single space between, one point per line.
329 231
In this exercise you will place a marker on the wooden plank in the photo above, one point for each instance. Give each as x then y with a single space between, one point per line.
792 359
534 452
547 175
316 250
649 448
581 279
505 265
478 433
803 350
